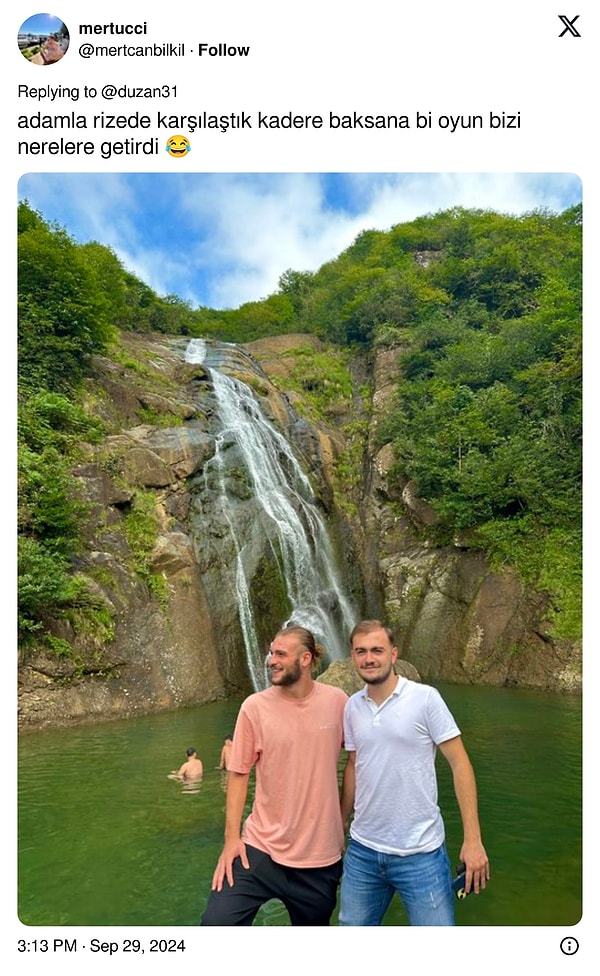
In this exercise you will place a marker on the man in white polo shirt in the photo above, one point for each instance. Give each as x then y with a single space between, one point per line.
392 729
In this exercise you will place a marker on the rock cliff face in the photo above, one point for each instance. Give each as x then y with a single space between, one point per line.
160 556
163 652
174 636
455 619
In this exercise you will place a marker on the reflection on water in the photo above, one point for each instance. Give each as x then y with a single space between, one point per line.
188 786
106 838
273 913
193 787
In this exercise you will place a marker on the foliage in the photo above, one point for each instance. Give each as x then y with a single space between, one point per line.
348 467
48 509
47 589
272 316
51 420
141 531
156 418
484 310
63 311
322 377
488 416
49 521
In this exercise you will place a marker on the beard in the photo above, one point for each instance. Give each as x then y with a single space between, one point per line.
376 678
286 678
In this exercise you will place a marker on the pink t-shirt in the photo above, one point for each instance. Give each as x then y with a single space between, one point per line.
295 746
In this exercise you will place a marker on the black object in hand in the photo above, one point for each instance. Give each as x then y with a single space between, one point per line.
459 882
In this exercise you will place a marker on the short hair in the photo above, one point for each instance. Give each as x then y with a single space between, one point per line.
190 751
366 626
305 637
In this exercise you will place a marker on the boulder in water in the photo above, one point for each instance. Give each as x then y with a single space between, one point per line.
342 674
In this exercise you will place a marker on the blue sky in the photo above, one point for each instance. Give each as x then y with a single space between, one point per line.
223 239
41 24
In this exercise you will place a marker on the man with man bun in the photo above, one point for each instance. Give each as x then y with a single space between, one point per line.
290 846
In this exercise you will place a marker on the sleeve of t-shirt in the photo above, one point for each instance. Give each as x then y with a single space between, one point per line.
440 720
244 752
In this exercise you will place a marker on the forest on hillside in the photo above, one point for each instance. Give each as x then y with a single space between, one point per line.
485 312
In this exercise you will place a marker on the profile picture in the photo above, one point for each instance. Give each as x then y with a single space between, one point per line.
43 39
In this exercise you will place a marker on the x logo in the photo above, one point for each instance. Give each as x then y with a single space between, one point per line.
569 29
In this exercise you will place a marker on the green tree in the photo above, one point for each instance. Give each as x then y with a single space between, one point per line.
62 310
46 588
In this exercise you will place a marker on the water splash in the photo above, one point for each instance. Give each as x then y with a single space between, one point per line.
289 515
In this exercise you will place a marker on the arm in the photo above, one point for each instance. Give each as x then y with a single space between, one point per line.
472 851
348 789
237 790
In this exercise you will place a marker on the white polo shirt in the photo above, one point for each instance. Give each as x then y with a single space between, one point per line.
395 807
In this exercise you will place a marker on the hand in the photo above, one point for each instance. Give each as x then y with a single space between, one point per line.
224 868
477 866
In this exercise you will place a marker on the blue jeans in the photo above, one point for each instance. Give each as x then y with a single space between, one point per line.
370 879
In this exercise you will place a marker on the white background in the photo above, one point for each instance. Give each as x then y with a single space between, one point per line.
314 57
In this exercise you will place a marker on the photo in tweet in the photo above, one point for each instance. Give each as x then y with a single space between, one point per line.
254 399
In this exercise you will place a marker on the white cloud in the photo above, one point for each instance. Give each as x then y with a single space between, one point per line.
261 227
259 231
223 239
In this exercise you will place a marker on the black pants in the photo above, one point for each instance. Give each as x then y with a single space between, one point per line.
309 894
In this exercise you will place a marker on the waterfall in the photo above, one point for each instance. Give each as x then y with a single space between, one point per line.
288 513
